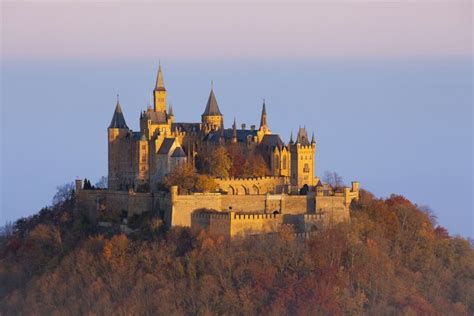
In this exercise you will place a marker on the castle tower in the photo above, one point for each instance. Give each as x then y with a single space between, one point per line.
303 153
212 118
159 93
117 132
263 130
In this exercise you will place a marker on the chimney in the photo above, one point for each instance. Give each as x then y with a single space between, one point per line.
243 125
252 127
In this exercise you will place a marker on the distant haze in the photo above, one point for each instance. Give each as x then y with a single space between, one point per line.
228 30
386 87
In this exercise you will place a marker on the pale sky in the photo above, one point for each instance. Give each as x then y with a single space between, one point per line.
385 85
106 30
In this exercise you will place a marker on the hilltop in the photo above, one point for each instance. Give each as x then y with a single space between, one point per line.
391 258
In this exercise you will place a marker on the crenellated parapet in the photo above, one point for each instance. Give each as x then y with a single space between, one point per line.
254 216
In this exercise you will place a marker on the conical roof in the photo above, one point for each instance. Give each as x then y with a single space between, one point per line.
302 137
263 118
118 121
212 108
178 153
160 84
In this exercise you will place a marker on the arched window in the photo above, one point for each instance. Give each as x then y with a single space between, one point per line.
284 162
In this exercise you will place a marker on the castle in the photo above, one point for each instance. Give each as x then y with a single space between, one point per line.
138 163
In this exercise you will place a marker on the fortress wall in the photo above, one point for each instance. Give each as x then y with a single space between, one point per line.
139 203
304 222
212 222
253 186
247 224
243 203
115 201
334 207
298 204
183 206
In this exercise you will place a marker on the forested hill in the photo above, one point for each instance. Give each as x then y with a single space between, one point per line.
391 259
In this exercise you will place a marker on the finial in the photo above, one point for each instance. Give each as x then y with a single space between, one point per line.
312 138
118 101
291 137
212 84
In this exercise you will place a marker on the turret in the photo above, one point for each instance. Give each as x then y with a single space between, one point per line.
303 153
117 132
170 115
159 93
118 121
212 118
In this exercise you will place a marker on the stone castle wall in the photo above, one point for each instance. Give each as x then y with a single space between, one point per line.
302 211
234 224
253 186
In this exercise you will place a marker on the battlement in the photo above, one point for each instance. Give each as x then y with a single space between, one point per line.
310 217
211 215
237 179
253 216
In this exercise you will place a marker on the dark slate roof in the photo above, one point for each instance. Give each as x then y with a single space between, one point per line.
212 108
242 135
302 137
178 153
186 127
166 146
118 121
273 140
137 135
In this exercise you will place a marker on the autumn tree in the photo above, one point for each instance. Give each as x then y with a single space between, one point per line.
205 183
219 163
255 166
64 192
238 160
184 176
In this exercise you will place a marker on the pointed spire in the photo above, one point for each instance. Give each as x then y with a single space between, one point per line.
263 118
234 131
312 139
118 121
170 110
291 138
212 109
160 84
302 137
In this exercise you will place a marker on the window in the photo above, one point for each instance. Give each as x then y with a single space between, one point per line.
306 168
284 162
143 158
143 147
